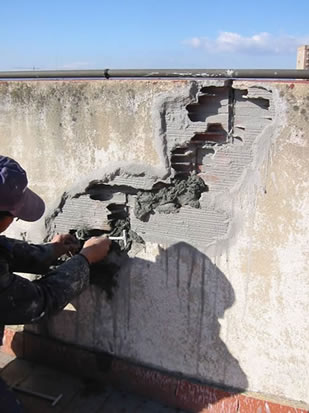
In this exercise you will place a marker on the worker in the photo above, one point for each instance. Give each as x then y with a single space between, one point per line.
23 301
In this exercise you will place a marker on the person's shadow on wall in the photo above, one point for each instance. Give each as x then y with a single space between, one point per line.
163 313
172 308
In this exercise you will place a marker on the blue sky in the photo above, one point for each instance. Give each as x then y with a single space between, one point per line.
122 34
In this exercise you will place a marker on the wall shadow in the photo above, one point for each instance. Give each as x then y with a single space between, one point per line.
174 302
194 295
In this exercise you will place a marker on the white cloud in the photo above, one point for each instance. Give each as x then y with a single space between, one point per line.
260 43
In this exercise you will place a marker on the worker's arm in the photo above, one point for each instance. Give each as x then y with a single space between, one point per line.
36 259
23 301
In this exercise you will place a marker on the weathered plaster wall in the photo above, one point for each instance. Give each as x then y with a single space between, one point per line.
218 292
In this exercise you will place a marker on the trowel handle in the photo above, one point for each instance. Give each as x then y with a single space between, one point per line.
123 238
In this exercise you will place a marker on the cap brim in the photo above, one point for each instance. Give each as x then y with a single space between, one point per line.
30 208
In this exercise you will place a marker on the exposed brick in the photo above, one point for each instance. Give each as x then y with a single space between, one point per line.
147 382
250 404
196 397
13 342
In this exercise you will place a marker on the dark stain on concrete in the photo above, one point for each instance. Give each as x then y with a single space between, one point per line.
104 274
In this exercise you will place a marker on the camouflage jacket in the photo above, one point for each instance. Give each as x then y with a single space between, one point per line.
23 301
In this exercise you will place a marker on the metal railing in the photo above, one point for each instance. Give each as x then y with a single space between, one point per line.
159 73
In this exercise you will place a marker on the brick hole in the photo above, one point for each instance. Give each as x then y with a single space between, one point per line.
209 102
103 192
213 90
100 196
93 232
182 161
242 92
214 134
242 96
261 102
182 169
178 158
186 158
177 151
117 211
189 159
99 192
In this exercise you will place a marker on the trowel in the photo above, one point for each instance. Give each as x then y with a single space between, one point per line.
123 238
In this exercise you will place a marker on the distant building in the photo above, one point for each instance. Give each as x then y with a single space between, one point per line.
303 57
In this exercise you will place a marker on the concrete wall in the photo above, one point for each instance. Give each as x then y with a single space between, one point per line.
219 292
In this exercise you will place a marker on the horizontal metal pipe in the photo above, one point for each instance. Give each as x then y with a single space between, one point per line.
160 73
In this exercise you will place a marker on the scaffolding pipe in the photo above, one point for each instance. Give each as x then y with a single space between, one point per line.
159 73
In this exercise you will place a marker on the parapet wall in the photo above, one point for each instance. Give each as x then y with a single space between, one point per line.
215 284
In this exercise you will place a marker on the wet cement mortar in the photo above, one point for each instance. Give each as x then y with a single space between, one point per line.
170 198
104 274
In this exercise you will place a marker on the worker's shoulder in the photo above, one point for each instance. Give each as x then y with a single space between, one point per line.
6 247
5 257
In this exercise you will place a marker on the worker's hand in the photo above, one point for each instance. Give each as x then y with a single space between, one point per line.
65 244
95 249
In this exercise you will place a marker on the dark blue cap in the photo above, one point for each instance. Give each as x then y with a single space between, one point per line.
15 196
